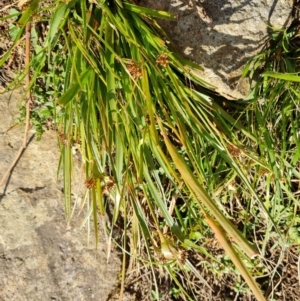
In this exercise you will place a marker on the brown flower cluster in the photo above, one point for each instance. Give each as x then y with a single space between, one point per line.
63 138
163 60
90 183
234 151
134 70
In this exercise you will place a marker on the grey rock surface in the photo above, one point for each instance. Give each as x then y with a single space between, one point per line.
221 35
41 257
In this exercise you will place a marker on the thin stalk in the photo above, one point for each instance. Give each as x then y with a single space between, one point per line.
28 103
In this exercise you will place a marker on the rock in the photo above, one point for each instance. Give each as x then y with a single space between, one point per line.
41 257
223 35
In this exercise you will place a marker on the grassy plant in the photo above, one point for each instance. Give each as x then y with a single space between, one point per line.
158 150
274 115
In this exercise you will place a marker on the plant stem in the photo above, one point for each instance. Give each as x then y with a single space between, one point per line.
28 103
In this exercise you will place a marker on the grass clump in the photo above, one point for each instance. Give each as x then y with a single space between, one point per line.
274 115
182 177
